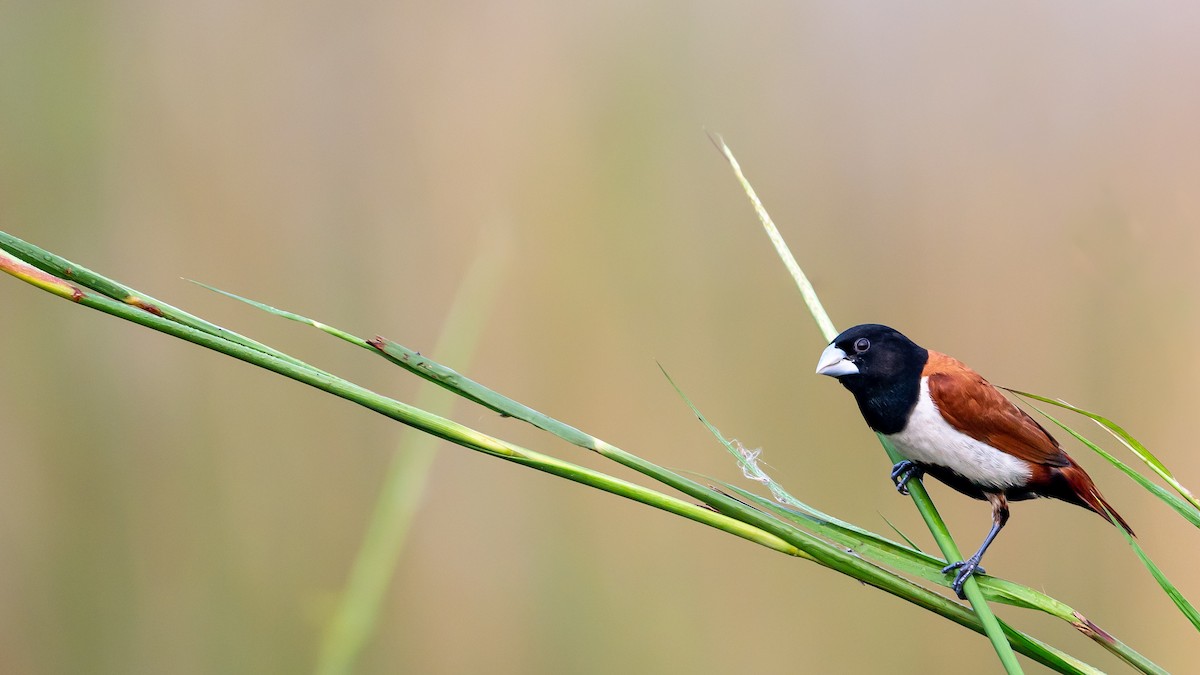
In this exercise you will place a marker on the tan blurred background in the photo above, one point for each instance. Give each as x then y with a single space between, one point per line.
1013 183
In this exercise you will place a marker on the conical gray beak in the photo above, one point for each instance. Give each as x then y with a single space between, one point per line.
835 364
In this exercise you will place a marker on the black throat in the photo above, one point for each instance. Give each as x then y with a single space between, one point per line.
887 401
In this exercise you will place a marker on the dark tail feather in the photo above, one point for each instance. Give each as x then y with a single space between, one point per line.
1084 493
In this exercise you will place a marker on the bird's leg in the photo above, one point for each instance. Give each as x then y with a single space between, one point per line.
905 471
971 565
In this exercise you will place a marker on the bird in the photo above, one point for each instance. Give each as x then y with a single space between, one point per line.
948 422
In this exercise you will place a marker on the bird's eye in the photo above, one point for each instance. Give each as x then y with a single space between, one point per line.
861 345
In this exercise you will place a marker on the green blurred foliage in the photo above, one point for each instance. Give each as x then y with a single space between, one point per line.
1012 184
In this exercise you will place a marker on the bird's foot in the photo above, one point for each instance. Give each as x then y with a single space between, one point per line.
965 568
903 472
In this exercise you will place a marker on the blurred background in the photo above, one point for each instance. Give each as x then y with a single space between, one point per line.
1012 183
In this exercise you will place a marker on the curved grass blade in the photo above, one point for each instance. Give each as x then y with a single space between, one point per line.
1183 508
1172 592
291 316
910 542
1125 438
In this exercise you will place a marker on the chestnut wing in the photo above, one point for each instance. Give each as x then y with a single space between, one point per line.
974 407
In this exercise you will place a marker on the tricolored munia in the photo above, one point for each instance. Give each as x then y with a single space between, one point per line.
950 423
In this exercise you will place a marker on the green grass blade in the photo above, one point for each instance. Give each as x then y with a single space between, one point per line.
903 536
1126 439
1172 592
429 423
1183 508
356 617
443 376
463 386
920 497
1057 660
899 557
291 316
81 276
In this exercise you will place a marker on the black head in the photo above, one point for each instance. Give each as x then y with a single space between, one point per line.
871 352
882 368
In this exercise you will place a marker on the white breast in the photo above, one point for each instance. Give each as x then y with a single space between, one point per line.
928 439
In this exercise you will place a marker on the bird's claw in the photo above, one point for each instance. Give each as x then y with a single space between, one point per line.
903 472
966 568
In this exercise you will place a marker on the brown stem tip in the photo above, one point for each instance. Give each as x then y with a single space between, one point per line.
1085 626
